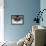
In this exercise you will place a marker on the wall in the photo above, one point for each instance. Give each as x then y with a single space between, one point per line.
1 20
21 7
43 6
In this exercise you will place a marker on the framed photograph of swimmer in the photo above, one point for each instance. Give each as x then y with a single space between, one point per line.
17 19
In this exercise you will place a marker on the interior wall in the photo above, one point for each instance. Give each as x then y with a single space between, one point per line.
43 6
1 20
28 8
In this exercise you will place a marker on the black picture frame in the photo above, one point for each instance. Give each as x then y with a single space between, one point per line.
17 19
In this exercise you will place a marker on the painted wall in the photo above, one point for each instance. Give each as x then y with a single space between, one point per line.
28 8
43 6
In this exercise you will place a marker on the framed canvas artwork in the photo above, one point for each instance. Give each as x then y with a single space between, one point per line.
17 19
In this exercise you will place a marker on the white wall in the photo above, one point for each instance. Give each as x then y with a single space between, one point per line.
1 20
